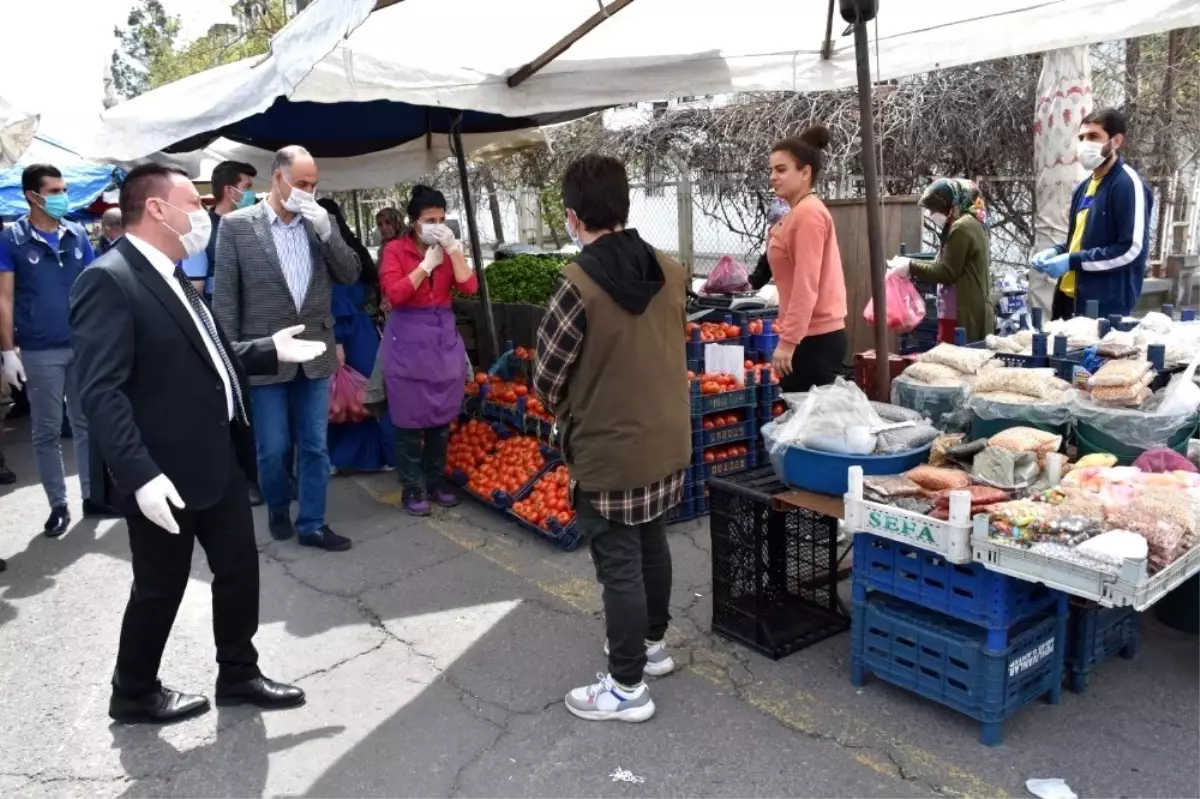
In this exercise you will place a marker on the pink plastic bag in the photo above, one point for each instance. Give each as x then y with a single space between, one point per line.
347 388
726 277
1162 459
905 305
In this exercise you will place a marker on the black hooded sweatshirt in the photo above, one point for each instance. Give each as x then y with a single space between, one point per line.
625 267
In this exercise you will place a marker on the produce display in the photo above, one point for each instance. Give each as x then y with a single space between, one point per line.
525 278
549 502
712 332
715 383
491 463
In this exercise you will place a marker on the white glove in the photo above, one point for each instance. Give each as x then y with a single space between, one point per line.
13 370
1045 255
899 266
433 259
445 237
319 218
289 349
155 499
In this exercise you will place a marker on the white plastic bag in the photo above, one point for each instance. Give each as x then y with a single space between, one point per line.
833 418
1182 395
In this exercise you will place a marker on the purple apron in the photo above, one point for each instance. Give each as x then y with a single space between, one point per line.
422 356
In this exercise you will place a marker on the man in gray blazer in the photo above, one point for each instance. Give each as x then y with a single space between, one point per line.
275 265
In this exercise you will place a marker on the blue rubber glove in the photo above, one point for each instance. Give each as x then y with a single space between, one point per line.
1057 266
1039 260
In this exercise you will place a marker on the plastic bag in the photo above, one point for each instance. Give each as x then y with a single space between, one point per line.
941 445
965 360
892 486
935 478
726 277
895 413
1005 469
905 305
1120 373
347 390
1182 394
834 418
1162 459
1140 428
1036 383
905 439
1026 439
934 374
933 402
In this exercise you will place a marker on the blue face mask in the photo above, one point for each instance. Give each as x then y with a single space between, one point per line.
56 205
247 199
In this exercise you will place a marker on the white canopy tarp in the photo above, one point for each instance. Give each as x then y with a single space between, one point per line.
656 49
16 132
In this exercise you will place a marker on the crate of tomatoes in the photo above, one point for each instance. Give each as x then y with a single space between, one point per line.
719 330
539 422
545 507
726 427
719 392
503 400
726 460
491 462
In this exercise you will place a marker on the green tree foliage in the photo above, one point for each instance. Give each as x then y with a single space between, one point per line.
150 55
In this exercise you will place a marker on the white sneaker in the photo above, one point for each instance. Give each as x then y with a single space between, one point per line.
607 701
658 660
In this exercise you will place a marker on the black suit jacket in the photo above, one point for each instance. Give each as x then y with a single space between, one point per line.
154 400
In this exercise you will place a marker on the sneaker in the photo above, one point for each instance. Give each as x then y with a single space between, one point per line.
414 503
279 522
607 701
658 660
444 497
325 538
58 522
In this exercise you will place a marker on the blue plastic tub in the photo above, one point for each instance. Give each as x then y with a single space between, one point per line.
827 472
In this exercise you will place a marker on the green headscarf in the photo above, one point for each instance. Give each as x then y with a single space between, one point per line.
958 193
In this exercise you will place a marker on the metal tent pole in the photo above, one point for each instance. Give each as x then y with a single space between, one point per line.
473 234
883 366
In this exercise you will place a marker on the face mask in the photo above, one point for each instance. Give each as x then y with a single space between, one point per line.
298 198
1091 154
428 234
247 199
578 242
56 205
939 221
196 239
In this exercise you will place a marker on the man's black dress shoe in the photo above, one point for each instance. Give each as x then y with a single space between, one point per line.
161 706
259 691
59 521
281 526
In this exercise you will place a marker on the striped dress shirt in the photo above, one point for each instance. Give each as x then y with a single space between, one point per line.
295 256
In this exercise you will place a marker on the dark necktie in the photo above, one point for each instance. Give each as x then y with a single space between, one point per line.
189 291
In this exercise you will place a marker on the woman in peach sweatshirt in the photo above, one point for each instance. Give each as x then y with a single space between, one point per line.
807 266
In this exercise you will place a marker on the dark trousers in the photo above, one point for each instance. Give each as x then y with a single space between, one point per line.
633 564
161 565
818 361
421 454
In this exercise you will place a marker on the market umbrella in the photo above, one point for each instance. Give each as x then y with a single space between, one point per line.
16 132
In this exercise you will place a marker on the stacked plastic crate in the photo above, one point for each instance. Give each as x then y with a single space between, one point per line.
770 406
929 620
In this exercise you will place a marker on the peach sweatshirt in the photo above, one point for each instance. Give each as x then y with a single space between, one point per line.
807 266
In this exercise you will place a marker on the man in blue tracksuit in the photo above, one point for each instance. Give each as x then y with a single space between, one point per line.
1108 238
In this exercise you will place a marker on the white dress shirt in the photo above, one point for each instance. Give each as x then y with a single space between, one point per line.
295 254
166 268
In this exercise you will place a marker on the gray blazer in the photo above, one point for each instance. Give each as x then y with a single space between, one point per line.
251 298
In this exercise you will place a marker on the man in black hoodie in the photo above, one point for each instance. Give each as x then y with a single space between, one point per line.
611 363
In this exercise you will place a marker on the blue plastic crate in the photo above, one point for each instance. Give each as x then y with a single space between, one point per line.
683 512
704 404
730 434
921 338
1098 634
565 537
967 592
729 466
948 660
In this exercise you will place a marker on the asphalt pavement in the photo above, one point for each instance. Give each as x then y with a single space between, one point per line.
436 653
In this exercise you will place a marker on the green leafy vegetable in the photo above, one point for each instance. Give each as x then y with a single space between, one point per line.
525 278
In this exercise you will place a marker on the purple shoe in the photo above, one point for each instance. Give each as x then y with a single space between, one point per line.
443 496
415 503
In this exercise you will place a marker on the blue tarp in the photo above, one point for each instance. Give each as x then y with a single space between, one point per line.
342 130
86 180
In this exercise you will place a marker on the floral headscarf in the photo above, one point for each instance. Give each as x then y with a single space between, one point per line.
957 193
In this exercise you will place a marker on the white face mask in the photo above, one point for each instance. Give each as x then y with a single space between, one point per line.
196 239
1091 154
298 198
938 221
574 236
429 234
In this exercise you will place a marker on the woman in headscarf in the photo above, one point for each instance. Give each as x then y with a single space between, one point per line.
368 445
423 357
955 208
390 226
775 213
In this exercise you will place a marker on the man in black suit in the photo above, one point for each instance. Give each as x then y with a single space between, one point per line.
168 396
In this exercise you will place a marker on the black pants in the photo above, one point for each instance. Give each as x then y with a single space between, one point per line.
818 360
161 565
421 454
633 564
